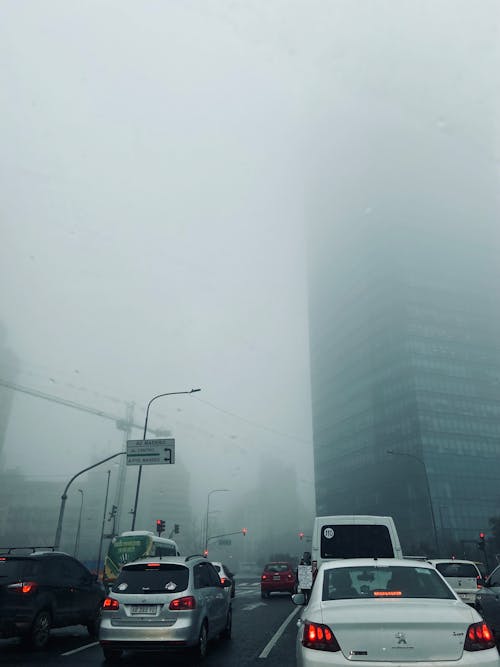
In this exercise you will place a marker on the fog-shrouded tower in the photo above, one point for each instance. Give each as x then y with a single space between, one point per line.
404 275
9 367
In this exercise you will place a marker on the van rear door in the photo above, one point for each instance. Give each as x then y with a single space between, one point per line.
355 541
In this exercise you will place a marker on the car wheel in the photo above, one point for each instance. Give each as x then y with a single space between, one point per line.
200 650
112 654
94 622
226 633
39 632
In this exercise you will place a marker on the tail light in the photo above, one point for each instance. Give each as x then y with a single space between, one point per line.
320 637
479 637
110 604
223 580
189 602
264 577
289 576
23 587
479 581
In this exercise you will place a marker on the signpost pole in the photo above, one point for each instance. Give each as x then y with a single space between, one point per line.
139 474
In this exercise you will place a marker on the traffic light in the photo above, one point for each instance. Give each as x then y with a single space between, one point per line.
301 535
160 526
176 528
481 544
205 553
244 531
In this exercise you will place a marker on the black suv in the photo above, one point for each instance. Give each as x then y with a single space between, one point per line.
46 590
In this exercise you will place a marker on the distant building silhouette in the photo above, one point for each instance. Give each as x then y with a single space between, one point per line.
9 368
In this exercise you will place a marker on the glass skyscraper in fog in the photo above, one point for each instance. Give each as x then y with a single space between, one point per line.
404 286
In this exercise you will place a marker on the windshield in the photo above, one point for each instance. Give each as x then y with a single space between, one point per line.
383 583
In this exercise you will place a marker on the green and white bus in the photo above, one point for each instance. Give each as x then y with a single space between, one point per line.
130 546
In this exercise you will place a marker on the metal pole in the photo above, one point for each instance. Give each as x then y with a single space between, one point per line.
77 540
64 496
139 474
102 527
206 521
431 507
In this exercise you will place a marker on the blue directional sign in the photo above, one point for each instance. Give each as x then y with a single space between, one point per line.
159 451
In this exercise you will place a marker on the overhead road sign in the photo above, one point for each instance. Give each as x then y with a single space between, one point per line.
150 452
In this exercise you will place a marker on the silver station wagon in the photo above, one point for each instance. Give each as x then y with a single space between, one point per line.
166 603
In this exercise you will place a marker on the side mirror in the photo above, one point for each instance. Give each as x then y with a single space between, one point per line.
299 599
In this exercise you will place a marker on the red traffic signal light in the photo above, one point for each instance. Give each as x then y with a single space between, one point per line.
301 535
482 536
160 526
244 531
205 553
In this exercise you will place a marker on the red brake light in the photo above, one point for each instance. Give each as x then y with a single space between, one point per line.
387 594
479 637
110 604
24 587
223 580
264 577
189 602
319 636
153 564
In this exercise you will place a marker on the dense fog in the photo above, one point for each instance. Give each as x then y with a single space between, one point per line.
164 166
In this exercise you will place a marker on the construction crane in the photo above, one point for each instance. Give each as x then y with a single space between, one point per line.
125 424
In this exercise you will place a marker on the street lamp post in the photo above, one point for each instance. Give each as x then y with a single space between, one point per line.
206 521
431 506
139 474
77 539
64 496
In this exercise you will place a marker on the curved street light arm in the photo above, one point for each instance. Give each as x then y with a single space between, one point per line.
65 495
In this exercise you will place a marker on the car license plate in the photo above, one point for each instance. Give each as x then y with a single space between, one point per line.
276 577
143 609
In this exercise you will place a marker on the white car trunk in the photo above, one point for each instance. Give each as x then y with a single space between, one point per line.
398 630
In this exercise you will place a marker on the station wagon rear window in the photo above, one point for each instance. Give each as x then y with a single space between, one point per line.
462 570
143 578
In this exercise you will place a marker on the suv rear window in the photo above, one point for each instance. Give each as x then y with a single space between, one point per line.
145 578
464 570
13 569
356 541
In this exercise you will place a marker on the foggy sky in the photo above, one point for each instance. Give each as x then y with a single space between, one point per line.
156 165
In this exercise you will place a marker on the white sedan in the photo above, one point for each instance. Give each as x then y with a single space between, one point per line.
383 612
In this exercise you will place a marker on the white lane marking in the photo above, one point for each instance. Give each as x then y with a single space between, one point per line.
250 607
267 650
82 648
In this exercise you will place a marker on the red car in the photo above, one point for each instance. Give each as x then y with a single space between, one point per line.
277 578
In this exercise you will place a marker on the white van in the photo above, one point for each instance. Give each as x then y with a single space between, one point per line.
354 536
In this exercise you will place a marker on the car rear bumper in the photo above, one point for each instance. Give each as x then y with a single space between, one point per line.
123 636
278 587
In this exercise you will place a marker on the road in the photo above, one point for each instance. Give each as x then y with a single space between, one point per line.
263 634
